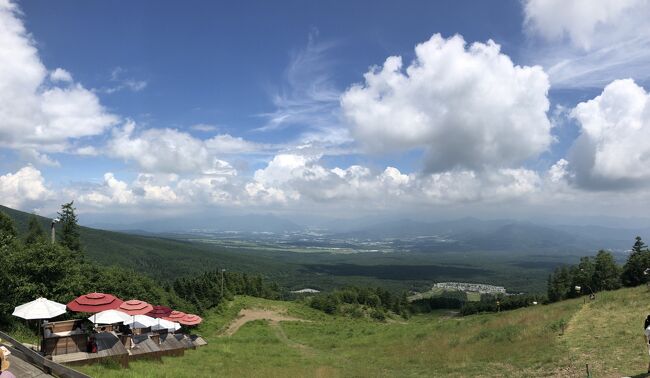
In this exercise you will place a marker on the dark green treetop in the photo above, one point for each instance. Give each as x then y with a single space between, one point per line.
34 231
69 227
637 263
7 227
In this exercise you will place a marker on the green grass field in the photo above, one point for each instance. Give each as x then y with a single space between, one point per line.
606 334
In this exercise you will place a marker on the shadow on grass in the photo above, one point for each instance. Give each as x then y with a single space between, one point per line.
642 375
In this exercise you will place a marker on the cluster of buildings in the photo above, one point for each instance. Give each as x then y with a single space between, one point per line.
464 286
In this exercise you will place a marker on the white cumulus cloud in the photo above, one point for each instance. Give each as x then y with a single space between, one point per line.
578 20
25 186
60 74
468 107
612 150
299 179
171 151
35 113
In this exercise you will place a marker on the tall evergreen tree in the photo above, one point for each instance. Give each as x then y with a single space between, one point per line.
559 284
69 227
35 232
637 263
606 273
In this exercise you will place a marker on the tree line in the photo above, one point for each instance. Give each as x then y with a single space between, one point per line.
458 300
594 274
358 302
209 289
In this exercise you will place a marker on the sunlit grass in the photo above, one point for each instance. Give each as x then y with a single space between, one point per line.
525 342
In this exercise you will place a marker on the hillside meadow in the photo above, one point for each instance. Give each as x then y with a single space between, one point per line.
605 333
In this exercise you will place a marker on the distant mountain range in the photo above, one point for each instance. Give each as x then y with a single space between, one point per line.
222 223
472 233
463 234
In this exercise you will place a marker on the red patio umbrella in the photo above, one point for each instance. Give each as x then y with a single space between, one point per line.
159 312
135 307
175 316
190 319
94 302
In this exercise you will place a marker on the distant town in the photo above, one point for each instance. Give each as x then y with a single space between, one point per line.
464 286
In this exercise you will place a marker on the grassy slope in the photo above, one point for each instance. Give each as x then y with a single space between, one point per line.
606 334
525 342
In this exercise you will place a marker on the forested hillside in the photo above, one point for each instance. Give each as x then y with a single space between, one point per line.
164 259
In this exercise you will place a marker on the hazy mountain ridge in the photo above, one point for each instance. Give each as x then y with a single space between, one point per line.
240 223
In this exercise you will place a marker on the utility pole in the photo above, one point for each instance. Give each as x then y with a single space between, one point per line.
54 221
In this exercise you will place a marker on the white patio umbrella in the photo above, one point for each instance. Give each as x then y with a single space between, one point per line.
40 308
166 324
141 321
110 317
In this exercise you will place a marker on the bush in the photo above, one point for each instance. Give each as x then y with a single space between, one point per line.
378 314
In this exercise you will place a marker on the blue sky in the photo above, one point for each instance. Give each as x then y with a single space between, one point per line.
297 106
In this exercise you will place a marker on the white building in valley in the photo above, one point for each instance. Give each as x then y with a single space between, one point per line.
464 286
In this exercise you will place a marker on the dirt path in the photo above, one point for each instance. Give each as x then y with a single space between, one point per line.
249 315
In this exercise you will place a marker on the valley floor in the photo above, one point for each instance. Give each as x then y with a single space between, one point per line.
605 333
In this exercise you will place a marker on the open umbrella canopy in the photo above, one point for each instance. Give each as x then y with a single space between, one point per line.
190 319
94 302
141 321
175 316
135 307
159 312
41 308
110 317
166 324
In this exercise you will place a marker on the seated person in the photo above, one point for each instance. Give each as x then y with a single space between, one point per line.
91 345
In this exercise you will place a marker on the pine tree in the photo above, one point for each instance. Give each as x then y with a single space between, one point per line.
637 263
69 227
35 232
559 284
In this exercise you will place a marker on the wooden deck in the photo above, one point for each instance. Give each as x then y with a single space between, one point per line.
108 346
149 346
185 340
198 340
25 362
145 347
170 344
22 368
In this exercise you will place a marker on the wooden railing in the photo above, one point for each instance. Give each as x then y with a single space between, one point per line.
39 361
